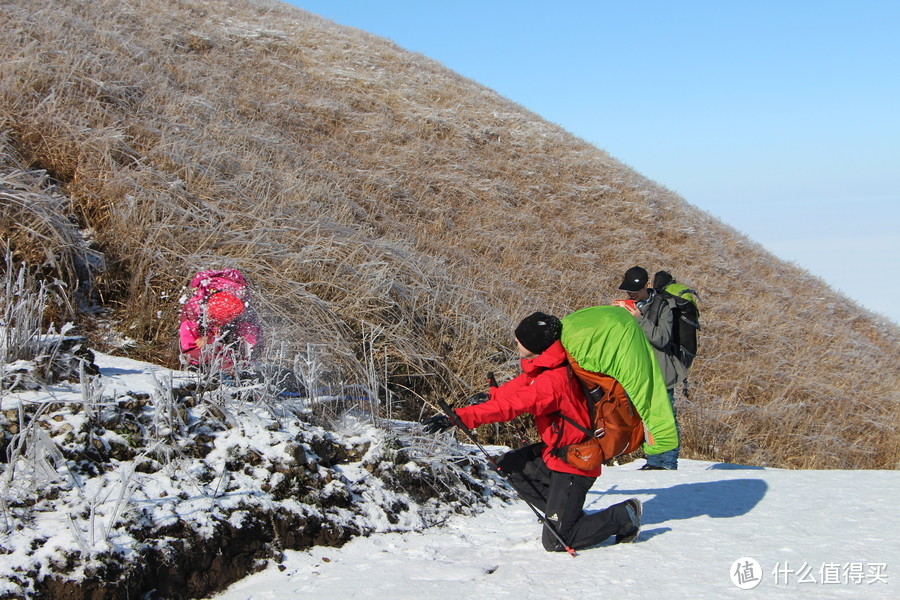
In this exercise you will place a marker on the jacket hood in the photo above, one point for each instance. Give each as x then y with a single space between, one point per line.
554 356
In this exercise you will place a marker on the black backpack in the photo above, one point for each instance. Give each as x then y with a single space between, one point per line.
686 316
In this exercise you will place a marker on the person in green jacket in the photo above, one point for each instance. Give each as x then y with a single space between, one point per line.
654 314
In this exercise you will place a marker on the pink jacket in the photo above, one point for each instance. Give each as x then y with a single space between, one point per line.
230 338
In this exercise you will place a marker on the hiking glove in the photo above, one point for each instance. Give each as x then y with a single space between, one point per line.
478 398
436 424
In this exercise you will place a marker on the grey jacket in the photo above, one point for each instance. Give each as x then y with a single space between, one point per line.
657 320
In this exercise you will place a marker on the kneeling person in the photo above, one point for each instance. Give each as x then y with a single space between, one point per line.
547 389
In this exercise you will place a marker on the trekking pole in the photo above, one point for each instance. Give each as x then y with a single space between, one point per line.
454 418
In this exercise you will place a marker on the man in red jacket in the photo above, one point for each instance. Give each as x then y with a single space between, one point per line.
546 388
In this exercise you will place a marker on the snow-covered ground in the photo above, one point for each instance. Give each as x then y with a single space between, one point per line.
812 534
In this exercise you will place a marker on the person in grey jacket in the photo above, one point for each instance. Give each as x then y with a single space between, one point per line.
654 313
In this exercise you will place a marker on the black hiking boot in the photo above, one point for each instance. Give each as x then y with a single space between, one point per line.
649 467
633 507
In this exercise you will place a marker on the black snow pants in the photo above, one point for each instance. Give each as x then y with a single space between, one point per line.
560 496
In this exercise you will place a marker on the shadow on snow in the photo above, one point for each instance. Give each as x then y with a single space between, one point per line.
724 499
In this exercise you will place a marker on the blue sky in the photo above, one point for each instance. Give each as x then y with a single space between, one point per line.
780 118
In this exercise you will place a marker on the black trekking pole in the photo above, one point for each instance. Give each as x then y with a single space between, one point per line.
468 432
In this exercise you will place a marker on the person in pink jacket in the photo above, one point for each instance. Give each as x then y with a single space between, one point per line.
548 389
218 327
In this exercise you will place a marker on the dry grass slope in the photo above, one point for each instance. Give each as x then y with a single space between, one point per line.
394 216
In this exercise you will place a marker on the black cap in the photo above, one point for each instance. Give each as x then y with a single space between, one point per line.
538 331
635 279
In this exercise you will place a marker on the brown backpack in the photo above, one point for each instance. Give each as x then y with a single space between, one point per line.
618 428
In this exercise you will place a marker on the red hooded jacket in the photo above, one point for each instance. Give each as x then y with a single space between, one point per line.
545 388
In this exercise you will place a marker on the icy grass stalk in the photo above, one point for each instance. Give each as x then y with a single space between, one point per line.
222 484
91 394
30 441
372 375
127 486
50 346
167 419
22 309
309 369
23 306
78 535
88 540
99 528
33 451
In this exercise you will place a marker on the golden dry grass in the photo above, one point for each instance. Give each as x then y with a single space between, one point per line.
394 216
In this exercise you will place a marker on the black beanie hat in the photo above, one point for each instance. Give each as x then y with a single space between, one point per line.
538 331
